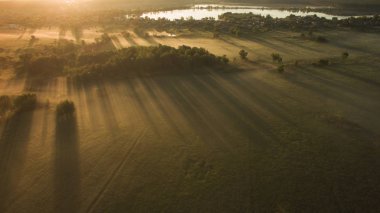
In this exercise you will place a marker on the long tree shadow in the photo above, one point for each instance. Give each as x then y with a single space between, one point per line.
326 90
352 75
150 40
13 143
77 32
351 47
21 34
116 42
251 123
146 115
335 83
66 166
62 33
106 107
131 41
149 85
202 115
297 42
45 123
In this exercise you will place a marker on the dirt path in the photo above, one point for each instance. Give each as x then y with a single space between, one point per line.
135 142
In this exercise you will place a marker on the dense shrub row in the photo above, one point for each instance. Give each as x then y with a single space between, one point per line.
135 60
25 102
17 104
49 60
146 60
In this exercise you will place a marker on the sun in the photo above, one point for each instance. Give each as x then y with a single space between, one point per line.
63 1
69 1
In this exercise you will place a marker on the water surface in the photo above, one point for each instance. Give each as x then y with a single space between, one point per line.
213 11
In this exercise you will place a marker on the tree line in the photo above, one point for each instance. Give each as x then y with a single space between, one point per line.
140 61
73 60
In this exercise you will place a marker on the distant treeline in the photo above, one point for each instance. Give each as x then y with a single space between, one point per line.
239 24
312 2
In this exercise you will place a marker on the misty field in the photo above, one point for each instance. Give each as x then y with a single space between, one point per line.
100 113
251 140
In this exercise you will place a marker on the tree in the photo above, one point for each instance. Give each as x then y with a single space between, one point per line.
25 102
276 57
322 39
32 40
323 62
65 108
243 54
224 59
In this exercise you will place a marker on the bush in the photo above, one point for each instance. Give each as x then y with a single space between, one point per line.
25 102
224 59
322 39
243 54
281 68
65 108
11 105
323 62
345 55
276 57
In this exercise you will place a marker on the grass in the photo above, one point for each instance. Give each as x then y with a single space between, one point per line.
258 141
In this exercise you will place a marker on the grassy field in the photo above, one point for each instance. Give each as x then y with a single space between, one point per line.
306 140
